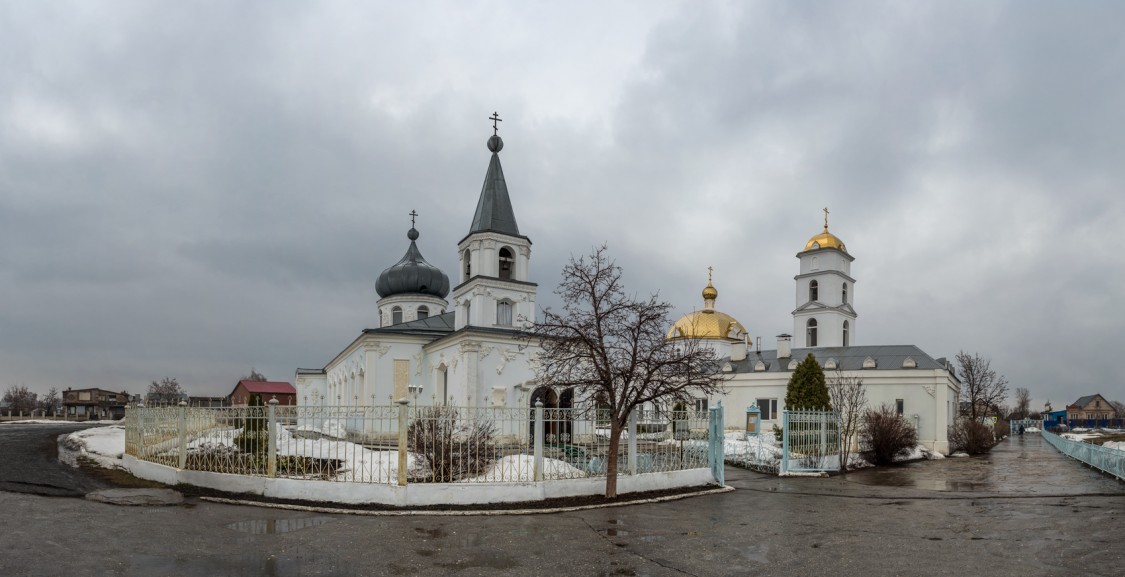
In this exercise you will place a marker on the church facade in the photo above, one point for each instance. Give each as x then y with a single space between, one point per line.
922 389
466 351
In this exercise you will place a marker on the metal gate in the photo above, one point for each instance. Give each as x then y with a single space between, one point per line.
810 441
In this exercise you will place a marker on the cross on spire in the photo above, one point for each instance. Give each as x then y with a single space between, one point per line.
495 118
413 215
826 219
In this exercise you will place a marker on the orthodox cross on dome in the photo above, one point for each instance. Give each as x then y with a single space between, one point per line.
709 271
495 118
826 219
413 215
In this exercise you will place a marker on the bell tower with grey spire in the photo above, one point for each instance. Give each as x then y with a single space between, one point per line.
493 289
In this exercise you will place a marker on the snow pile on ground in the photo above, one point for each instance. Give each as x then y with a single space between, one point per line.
959 454
1117 445
329 428
521 469
102 445
918 453
1032 430
760 451
34 422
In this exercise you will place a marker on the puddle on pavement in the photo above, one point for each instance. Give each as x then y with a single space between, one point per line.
276 526
614 532
247 564
757 553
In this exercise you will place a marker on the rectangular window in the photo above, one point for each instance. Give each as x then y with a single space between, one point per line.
700 405
768 408
900 406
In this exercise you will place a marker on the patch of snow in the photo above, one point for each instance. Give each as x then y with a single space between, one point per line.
102 445
959 454
1031 430
521 469
1116 445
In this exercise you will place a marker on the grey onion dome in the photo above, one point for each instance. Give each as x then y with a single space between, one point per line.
412 275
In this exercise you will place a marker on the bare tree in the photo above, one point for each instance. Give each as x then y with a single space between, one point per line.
1118 409
1023 403
982 390
849 399
254 376
166 391
20 399
611 347
50 402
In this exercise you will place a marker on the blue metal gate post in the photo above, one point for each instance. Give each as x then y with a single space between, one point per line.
717 444
784 442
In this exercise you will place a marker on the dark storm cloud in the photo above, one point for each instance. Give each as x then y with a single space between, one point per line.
193 189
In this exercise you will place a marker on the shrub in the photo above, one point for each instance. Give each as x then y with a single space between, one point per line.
972 437
452 449
886 435
254 437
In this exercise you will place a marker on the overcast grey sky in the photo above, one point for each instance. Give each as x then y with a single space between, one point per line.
193 188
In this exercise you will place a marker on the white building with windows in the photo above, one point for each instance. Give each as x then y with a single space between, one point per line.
922 389
465 352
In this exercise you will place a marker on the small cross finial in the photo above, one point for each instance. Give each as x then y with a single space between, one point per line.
413 215
709 271
495 118
826 219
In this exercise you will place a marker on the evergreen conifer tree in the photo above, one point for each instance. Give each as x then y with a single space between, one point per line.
807 388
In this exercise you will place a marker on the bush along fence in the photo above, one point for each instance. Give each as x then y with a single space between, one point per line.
402 444
1110 461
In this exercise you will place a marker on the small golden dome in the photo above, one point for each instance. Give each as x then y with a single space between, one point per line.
710 293
825 240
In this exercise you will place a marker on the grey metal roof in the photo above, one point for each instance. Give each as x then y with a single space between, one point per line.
887 357
1083 401
432 326
494 208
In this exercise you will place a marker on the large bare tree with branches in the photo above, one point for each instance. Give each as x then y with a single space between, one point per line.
610 346
982 390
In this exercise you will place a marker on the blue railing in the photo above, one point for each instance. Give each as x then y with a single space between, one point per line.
1110 461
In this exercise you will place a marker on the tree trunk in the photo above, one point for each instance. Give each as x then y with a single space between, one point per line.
611 459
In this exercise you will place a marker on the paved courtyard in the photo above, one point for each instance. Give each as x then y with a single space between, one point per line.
1022 510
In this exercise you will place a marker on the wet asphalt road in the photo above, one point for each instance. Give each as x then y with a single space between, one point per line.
1024 510
29 462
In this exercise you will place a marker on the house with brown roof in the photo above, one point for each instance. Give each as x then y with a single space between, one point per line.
284 392
94 403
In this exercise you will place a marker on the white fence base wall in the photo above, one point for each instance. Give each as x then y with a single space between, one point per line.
417 494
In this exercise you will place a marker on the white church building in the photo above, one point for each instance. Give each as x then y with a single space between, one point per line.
922 389
468 351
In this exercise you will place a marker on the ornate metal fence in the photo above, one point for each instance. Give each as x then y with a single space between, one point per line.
400 444
1111 461
810 441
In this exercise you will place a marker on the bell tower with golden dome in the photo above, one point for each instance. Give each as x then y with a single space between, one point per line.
824 316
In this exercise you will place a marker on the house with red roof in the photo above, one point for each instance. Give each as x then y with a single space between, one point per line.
284 392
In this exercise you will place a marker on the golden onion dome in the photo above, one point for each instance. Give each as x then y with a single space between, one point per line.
707 323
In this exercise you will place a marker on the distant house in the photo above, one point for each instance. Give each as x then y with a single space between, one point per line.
1090 408
94 404
284 392
208 401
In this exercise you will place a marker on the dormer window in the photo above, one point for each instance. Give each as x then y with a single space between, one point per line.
506 263
814 291
909 363
869 363
830 364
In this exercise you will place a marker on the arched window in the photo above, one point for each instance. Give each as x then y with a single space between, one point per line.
844 294
845 331
396 315
423 312
814 290
810 333
504 313
506 263
468 265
